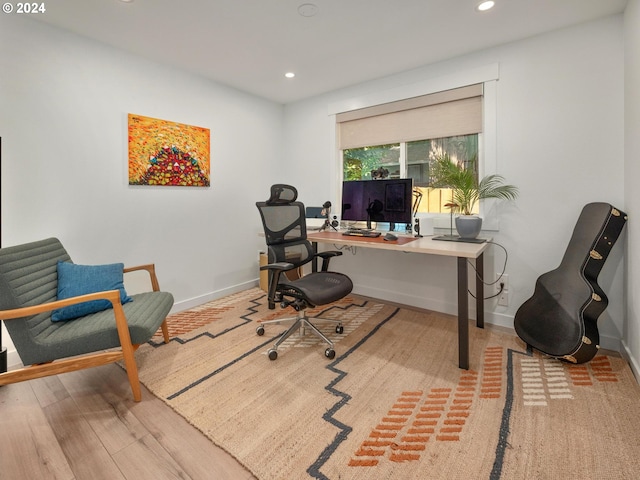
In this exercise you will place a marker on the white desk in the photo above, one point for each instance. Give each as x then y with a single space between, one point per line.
426 245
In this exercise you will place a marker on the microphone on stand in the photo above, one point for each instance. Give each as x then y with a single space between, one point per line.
326 212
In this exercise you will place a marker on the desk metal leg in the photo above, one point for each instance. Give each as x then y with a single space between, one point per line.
480 291
463 315
314 263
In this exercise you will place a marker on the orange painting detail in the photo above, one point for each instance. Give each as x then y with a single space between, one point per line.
168 153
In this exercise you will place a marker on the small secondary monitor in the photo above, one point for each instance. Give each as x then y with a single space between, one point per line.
388 200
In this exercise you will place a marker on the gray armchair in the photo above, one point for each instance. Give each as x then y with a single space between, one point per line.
29 294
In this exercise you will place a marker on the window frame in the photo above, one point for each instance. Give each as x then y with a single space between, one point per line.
487 141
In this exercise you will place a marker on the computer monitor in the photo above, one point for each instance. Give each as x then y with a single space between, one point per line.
388 200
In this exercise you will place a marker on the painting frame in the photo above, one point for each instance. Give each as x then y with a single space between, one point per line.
166 153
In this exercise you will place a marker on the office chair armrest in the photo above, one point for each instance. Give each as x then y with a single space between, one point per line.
280 266
275 269
326 257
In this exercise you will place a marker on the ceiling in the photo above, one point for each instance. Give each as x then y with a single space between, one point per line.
250 44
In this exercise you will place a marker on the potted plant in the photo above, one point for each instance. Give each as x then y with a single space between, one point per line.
466 191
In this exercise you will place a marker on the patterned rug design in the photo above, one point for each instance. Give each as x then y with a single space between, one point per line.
393 403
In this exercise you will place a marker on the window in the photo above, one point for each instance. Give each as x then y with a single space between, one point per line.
423 128
484 77
411 160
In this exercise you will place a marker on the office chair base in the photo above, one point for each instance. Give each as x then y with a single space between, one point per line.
339 328
330 353
293 319
301 323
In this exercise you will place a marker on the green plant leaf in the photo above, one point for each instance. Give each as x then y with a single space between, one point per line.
466 191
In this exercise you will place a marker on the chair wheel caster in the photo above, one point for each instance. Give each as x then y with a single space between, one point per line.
273 354
330 353
260 330
339 329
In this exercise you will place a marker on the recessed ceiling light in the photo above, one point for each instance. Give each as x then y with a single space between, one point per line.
126 1
289 74
486 5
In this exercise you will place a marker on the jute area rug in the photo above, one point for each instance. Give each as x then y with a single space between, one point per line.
393 403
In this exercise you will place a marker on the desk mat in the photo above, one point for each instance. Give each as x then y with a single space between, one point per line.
402 240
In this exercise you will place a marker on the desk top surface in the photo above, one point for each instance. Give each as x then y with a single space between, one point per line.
405 243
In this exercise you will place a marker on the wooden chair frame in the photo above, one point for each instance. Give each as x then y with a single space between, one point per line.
125 353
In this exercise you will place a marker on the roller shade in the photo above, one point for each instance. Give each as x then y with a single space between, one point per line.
438 115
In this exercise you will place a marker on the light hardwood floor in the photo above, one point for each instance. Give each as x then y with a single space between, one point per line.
85 425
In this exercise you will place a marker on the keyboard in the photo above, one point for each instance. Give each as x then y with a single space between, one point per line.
360 232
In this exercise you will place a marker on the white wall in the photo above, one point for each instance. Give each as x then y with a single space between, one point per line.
560 140
64 102
63 107
632 174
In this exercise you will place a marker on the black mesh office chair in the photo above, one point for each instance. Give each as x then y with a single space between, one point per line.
288 248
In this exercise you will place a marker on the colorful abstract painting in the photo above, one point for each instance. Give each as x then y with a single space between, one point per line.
168 153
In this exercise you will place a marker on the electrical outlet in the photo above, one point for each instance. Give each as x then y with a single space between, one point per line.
503 298
504 279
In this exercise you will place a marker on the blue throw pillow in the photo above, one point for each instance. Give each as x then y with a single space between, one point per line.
74 280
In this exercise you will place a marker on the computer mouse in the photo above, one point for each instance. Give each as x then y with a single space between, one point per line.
390 237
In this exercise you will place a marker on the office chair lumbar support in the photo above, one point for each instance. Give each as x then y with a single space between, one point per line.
284 224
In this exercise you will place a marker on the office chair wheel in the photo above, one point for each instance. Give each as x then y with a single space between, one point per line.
273 354
339 329
330 353
260 330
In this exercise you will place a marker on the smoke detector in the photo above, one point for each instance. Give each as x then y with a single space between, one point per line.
308 9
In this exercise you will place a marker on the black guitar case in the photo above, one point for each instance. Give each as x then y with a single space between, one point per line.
560 319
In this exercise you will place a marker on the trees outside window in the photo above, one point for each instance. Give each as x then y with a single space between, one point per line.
412 160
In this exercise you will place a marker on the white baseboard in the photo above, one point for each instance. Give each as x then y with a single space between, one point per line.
411 300
633 362
202 299
492 318
14 361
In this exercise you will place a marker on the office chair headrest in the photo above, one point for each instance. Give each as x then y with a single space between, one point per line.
282 194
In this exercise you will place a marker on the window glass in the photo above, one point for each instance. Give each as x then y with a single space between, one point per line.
411 160
359 163
462 149
418 154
